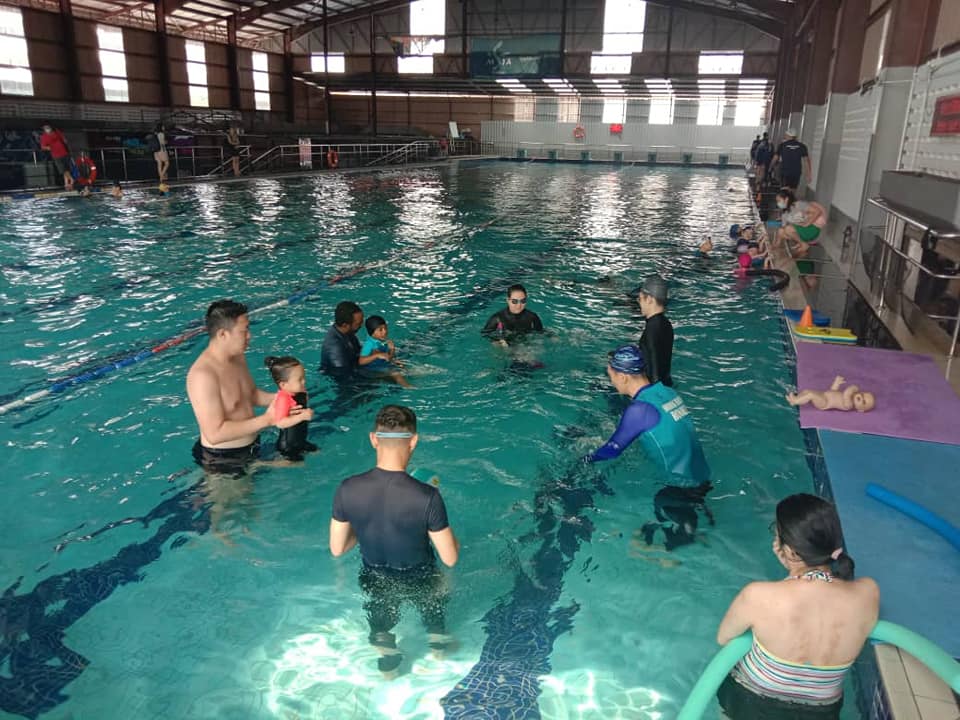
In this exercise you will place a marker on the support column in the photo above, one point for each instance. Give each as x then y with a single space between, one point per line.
163 47
666 71
912 23
373 77
853 24
70 45
289 103
563 39
816 92
233 70
327 109
463 39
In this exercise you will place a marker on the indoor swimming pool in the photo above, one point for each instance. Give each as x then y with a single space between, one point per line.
134 590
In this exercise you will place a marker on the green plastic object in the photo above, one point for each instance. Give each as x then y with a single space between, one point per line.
939 662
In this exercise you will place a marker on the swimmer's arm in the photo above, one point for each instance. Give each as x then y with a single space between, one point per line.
262 398
737 620
204 393
637 419
376 355
446 544
342 537
491 326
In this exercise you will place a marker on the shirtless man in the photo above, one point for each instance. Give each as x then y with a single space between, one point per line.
850 398
223 395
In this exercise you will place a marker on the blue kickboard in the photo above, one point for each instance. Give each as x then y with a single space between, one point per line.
818 319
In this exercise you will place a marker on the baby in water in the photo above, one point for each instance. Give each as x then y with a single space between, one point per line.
850 398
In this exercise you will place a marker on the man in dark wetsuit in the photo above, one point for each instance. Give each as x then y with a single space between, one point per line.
514 319
794 159
395 518
340 354
656 342
659 418
223 394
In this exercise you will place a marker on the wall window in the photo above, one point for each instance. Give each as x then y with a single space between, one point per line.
335 63
524 108
15 75
661 110
113 64
568 109
710 111
623 23
427 17
749 113
261 81
614 110
719 63
197 74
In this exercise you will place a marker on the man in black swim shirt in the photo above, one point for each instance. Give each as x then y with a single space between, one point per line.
340 354
656 342
395 518
514 319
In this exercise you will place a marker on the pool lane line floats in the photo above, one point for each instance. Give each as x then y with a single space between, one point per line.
139 356
782 279
916 511
937 660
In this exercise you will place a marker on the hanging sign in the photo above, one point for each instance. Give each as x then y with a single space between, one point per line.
946 116
306 153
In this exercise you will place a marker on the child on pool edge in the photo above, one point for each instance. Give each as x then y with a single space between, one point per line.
289 375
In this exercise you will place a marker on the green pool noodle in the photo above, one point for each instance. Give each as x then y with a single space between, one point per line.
938 661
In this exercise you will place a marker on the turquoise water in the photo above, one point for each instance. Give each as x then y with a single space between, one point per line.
168 617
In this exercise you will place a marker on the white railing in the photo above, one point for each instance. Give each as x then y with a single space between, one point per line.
627 154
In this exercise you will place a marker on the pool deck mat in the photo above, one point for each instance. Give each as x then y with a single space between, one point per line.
913 400
917 569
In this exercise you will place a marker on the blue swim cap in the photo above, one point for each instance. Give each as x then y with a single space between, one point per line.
628 359
734 231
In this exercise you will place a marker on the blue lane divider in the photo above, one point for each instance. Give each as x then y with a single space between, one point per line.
917 512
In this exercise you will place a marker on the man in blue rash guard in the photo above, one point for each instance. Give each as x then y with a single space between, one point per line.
659 418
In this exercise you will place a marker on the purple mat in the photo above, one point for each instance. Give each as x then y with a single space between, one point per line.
913 399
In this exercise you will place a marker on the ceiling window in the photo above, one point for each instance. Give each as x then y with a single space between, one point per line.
721 63
661 110
197 73
261 81
623 23
113 64
427 18
15 75
332 62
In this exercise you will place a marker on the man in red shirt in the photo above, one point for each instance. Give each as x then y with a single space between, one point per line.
55 142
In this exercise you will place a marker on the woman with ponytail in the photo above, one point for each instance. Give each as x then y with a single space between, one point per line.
808 628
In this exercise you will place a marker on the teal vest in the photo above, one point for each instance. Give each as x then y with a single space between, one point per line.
673 442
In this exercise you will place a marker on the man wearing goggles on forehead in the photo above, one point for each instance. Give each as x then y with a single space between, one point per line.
514 319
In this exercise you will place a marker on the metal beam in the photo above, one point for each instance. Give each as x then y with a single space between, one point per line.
70 44
770 26
233 71
344 17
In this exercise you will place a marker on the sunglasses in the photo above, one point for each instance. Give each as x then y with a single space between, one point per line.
518 301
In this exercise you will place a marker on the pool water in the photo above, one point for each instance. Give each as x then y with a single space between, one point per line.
135 591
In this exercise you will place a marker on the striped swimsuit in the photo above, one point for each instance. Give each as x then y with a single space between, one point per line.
763 673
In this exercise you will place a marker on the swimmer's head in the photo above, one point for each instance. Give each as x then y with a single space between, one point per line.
395 431
376 327
746 232
864 401
223 315
517 298
287 372
785 199
348 316
628 360
807 529
653 288
47 127
706 246
734 231
163 189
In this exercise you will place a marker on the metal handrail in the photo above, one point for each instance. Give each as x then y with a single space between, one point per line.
901 214
222 166
402 150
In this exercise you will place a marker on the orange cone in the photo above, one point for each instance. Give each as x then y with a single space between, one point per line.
806 320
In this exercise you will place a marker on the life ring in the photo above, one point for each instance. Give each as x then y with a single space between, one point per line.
84 171
579 133
333 158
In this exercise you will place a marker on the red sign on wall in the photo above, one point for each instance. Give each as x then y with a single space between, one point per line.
946 116
616 128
